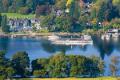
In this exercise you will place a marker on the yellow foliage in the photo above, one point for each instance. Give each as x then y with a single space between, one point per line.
94 21
101 78
116 2
69 2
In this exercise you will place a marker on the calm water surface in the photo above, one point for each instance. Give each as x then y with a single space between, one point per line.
39 48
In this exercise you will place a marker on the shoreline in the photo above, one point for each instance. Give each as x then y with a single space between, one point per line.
40 34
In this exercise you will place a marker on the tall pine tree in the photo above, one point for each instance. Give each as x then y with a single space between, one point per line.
5 27
101 12
0 19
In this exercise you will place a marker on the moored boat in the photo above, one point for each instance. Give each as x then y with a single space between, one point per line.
84 40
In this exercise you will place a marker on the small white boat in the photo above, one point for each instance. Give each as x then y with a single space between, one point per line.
106 36
53 38
115 35
13 36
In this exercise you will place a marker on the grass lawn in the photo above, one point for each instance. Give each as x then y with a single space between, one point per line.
101 78
17 15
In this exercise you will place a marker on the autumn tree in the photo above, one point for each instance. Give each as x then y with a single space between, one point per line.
113 66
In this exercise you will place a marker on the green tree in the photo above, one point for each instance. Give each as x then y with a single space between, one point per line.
21 63
6 71
0 19
61 65
57 65
10 72
63 23
101 12
5 27
40 73
116 3
113 65
61 4
99 65
5 5
30 5
48 21
40 67
24 10
72 65
75 10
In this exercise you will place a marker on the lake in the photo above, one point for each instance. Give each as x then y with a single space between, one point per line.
40 47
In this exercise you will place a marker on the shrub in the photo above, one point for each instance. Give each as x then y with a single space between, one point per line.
24 10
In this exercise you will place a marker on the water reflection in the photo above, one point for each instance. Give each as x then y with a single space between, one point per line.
117 44
38 48
4 43
104 47
51 48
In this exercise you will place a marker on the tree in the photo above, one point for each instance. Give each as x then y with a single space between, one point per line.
6 71
61 65
0 19
5 27
5 5
10 72
99 65
57 65
24 10
21 63
72 65
20 3
40 73
48 21
116 3
42 10
40 67
61 4
101 12
2 58
30 5
74 9
63 23
113 65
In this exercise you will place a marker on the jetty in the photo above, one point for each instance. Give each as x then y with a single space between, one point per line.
83 40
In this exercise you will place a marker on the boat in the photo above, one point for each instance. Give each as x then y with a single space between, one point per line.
111 33
53 37
106 36
84 40
115 35
72 42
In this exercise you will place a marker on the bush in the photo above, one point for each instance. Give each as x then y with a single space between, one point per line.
89 31
2 77
43 31
115 23
40 73
24 10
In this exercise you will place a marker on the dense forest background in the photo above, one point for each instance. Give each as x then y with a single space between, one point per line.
68 15
17 6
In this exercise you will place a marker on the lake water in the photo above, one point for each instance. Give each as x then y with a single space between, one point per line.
39 48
